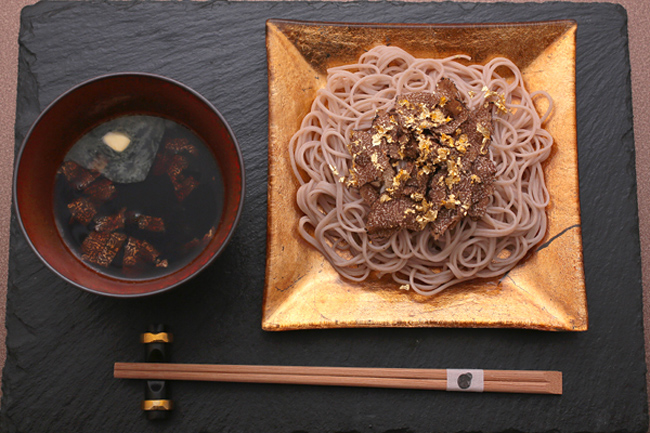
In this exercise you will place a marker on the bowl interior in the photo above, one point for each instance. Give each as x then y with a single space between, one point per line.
80 110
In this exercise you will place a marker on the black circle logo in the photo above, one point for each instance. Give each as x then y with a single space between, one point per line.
464 380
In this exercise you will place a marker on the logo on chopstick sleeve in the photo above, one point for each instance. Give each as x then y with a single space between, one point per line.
464 380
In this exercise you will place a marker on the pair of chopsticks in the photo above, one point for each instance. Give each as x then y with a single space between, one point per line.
515 381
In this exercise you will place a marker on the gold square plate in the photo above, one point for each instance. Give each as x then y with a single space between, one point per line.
545 291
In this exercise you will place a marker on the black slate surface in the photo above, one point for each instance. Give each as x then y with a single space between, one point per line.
62 342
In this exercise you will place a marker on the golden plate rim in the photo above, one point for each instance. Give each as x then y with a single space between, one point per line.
292 298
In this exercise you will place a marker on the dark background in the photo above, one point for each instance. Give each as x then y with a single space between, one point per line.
62 342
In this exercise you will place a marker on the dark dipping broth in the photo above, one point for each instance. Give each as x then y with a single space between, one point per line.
143 211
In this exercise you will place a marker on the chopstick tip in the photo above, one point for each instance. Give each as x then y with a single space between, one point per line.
555 382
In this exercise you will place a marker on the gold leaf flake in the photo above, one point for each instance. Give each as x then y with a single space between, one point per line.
417 196
402 175
462 143
447 140
451 202
484 131
498 99
453 170
430 216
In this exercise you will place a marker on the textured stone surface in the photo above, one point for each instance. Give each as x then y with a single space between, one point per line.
62 342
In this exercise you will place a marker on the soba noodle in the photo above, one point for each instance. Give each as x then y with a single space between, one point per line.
333 220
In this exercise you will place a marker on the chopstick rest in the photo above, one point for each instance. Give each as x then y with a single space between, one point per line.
157 403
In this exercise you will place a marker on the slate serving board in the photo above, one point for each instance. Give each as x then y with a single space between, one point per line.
62 342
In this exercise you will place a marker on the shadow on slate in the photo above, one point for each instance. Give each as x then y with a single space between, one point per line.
62 342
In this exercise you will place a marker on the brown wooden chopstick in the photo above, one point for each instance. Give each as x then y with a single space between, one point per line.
517 381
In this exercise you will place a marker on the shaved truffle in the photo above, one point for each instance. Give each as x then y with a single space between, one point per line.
424 163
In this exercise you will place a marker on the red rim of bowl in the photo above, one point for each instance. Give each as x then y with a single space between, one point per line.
172 284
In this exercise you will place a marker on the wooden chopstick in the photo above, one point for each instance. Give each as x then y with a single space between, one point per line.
518 381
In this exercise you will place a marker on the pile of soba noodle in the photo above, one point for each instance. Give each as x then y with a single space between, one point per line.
333 220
